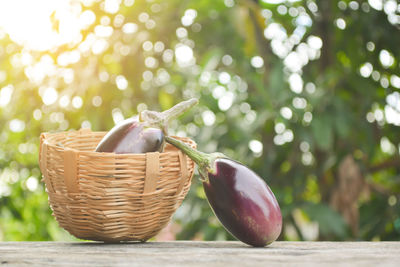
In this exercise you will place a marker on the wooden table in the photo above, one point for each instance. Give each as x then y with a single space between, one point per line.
191 253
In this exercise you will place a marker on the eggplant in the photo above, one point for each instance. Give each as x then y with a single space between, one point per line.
241 200
143 133
132 136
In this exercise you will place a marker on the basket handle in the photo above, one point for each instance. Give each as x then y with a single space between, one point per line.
71 170
184 171
152 172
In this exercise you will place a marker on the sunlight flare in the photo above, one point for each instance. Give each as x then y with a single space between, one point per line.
43 24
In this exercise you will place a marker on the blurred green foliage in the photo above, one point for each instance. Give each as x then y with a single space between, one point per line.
306 93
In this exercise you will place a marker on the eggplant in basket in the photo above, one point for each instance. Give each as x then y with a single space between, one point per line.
143 133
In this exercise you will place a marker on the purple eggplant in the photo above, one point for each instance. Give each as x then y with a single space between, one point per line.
241 200
132 136
143 133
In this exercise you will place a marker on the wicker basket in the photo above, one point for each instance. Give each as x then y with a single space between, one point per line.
111 197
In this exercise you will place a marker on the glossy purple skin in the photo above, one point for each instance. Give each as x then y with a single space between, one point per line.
243 203
131 136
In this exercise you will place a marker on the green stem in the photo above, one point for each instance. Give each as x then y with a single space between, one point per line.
203 160
198 157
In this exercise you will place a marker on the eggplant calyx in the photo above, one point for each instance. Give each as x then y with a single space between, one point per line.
204 161
152 119
212 168
162 119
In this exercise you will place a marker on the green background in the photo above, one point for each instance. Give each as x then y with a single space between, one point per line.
306 93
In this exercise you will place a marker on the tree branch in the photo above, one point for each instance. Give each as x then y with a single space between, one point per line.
262 44
324 25
390 163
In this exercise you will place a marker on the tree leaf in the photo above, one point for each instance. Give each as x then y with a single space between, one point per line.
331 223
322 130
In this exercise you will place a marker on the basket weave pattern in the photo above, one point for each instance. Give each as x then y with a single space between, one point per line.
112 197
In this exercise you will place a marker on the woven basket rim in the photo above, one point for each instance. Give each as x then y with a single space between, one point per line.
53 145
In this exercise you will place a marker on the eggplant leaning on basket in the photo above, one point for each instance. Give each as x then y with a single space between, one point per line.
143 133
241 200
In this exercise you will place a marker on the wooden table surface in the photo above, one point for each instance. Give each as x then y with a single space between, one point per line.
191 253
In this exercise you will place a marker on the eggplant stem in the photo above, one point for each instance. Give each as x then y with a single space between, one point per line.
162 119
203 160
178 109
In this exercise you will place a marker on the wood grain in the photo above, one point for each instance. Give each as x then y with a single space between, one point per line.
190 253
